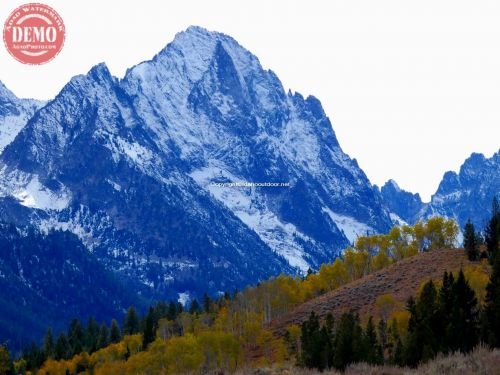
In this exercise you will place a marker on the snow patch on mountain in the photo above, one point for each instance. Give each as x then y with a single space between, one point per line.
30 192
74 226
396 219
115 185
438 200
80 221
246 204
351 228
35 195
135 151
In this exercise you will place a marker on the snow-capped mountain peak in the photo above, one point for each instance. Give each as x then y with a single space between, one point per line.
143 168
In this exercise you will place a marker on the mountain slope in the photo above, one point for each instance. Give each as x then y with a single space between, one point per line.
136 169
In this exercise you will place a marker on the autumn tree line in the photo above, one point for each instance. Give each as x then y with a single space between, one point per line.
230 331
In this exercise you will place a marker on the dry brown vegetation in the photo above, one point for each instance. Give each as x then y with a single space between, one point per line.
401 280
481 361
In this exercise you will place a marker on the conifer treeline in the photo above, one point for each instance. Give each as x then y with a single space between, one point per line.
474 240
442 320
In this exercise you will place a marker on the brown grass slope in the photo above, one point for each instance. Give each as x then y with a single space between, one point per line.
401 279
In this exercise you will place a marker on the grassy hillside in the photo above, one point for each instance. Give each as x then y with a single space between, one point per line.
401 280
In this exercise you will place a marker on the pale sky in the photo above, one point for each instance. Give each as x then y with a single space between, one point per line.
412 87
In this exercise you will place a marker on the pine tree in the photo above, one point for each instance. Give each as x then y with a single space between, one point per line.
34 357
48 344
207 303
195 307
397 357
445 299
161 310
471 241
131 322
114 334
427 321
149 329
91 335
465 316
373 349
172 311
62 349
311 343
492 231
75 337
327 337
445 307
317 343
103 339
421 343
382 334
348 346
491 332
180 308
413 348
